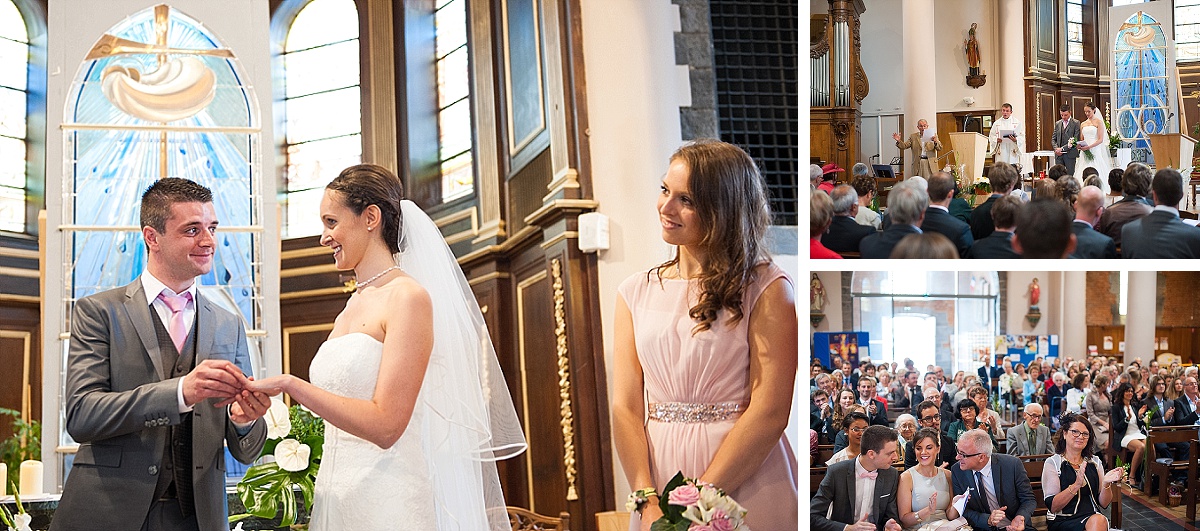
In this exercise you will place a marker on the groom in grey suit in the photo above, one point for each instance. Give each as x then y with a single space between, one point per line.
153 392
862 490
1064 131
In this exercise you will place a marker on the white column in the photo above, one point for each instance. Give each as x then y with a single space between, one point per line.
920 76
1141 316
1073 337
1010 49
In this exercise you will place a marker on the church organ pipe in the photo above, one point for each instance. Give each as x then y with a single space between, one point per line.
820 80
841 56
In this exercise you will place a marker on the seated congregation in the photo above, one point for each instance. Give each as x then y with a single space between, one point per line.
892 455
1061 218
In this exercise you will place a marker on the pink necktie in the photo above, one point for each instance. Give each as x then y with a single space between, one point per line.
175 326
868 475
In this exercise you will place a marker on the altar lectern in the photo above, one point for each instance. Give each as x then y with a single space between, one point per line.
971 150
1172 150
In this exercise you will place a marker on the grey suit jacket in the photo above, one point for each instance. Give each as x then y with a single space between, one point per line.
1060 138
1018 442
120 409
837 488
1159 234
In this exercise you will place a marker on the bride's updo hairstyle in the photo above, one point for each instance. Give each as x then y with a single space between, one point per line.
727 191
1092 106
371 184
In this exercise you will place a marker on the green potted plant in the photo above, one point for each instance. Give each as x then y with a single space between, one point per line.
25 444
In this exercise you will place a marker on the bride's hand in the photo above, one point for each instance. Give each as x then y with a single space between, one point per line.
270 386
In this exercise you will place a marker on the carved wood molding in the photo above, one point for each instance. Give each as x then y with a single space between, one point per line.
841 131
819 48
567 418
861 85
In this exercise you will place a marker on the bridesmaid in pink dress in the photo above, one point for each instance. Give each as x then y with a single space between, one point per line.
706 346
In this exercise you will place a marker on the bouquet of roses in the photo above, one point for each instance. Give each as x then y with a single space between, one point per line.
689 505
294 440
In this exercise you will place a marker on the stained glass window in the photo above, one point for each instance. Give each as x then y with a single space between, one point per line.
14 74
1140 55
1187 30
454 102
1074 30
322 107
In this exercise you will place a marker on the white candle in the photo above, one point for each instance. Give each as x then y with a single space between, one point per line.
31 478
3 480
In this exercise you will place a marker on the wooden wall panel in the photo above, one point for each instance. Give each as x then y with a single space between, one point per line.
20 349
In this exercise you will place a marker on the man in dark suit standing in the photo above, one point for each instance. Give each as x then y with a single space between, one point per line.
844 234
1003 178
862 490
998 244
1065 130
937 215
866 396
1001 498
906 208
1088 242
1161 234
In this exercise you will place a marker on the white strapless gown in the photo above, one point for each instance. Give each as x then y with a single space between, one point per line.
1100 157
361 486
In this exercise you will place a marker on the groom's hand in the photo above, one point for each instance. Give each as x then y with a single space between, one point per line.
211 379
248 406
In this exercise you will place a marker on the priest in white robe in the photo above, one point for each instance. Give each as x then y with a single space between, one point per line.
1011 147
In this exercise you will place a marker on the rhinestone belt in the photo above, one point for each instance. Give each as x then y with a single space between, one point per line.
682 412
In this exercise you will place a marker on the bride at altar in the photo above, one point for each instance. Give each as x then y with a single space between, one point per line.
1094 141
416 408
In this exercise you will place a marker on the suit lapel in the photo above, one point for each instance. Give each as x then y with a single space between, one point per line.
205 328
138 311
997 481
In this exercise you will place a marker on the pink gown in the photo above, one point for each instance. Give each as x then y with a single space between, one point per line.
712 367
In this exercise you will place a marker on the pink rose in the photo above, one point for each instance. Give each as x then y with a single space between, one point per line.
700 527
720 521
684 495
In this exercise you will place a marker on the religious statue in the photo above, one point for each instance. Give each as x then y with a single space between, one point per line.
816 299
975 77
1035 294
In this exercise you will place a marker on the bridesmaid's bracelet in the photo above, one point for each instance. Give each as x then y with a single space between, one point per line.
638 498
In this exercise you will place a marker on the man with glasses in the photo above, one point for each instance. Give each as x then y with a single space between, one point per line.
931 418
1001 498
1030 437
1185 406
861 491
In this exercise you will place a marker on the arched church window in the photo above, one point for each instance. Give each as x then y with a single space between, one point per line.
1074 30
1141 57
1187 30
454 103
321 107
14 85
941 318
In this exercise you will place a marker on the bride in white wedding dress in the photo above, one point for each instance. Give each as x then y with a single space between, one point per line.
415 406
1095 142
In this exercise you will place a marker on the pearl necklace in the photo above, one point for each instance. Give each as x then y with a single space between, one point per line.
358 285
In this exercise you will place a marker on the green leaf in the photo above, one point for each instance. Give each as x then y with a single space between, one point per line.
662 525
289 504
673 513
307 486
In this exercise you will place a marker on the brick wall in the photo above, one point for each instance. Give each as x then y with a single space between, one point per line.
1177 300
1103 298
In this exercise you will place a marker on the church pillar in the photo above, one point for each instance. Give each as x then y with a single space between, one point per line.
1011 48
1142 316
1073 337
920 77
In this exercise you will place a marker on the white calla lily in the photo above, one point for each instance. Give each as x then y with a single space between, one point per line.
292 455
22 521
279 423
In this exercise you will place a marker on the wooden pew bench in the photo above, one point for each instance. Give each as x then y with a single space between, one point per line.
1167 434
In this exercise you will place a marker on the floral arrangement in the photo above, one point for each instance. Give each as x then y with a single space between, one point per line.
1114 138
15 522
690 505
294 440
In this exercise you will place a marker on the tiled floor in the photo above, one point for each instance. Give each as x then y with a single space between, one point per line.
1142 513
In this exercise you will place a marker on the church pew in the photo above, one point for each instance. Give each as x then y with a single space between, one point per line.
1192 493
1166 434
